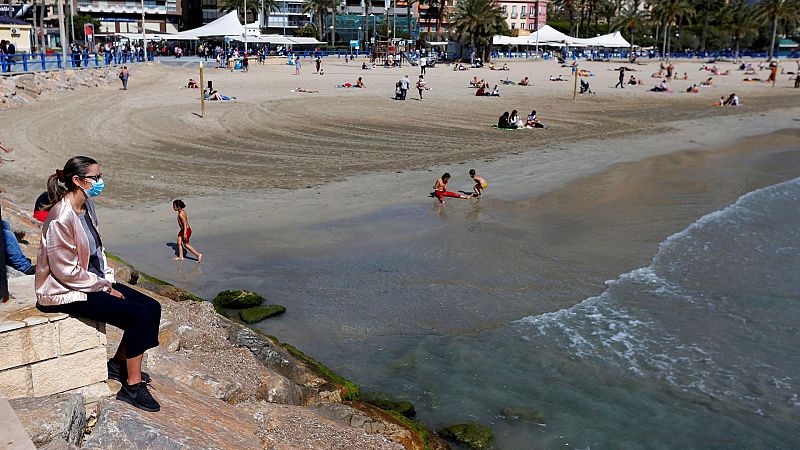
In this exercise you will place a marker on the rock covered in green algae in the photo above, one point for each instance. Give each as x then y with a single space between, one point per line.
237 299
259 313
402 407
469 434
524 413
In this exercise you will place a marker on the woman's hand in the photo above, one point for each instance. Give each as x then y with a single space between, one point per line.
117 293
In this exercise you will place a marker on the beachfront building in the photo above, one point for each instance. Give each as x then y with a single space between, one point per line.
524 14
16 31
125 16
430 19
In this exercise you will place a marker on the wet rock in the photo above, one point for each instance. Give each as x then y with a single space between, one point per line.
402 407
523 413
259 313
469 434
237 299
187 420
60 416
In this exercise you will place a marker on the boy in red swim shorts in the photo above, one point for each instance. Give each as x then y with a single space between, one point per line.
440 189
185 231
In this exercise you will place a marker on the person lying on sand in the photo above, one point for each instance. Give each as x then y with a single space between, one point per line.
693 89
709 82
524 82
440 189
480 183
308 91
558 78
661 87
213 94
507 81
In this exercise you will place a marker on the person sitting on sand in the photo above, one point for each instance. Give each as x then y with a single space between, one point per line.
364 66
524 82
184 232
533 121
440 189
514 121
360 83
192 84
480 183
661 87
709 82
632 81
685 77
693 89
474 82
502 122
505 66
496 91
481 92
212 94
491 66
733 100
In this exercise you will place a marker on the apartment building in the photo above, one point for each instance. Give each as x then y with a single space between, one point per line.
523 14
125 16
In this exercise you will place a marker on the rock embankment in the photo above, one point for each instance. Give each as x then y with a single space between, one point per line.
18 90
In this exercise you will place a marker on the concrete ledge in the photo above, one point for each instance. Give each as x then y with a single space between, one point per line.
48 353
12 434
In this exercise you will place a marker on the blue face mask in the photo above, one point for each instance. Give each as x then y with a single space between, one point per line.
97 188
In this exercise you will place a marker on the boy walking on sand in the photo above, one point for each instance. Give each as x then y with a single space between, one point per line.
480 183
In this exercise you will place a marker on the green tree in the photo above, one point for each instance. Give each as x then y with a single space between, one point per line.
80 21
669 11
569 7
707 10
317 9
775 11
632 19
477 22
307 30
238 5
739 19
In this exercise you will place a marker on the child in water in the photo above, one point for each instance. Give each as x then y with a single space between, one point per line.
480 183
185 231
440 189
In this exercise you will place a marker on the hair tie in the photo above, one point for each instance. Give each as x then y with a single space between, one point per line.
60 175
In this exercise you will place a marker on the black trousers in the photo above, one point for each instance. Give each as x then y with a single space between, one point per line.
137 315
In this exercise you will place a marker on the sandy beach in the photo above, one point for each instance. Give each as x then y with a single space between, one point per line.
154 146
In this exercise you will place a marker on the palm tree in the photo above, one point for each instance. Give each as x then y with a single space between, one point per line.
238 5
569 6
669 11
632 20
317 9
777 10
708 10
477 22
409 4
739 19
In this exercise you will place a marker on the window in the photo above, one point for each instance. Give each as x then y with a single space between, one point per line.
531 26
522 11
505 10
513 25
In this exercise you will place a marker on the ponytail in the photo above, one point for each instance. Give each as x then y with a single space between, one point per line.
60 183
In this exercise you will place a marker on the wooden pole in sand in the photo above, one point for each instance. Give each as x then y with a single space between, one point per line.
575 84
202 90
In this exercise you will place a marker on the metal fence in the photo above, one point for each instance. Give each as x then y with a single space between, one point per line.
37 62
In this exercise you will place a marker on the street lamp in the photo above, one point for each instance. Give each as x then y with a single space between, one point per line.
359 36
330 28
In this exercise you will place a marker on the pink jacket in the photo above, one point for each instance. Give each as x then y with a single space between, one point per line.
61 267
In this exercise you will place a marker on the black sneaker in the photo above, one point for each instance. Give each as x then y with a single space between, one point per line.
138 396
119 372
31 270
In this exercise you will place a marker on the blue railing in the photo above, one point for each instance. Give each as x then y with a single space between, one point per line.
27 62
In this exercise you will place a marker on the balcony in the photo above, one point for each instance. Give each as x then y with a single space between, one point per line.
127 7
513 15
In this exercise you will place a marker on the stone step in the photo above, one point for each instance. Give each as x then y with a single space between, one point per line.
47 353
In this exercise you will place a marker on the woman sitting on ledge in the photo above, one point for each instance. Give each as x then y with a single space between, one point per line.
73 277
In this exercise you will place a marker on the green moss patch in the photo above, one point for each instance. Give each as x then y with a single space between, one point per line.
402 407
259 313
423 433
237 299
470 434
351 390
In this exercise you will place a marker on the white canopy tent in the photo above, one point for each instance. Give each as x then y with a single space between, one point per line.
156 37
227 25
549 36
277 39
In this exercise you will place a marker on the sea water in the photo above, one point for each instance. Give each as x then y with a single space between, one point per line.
476 308
697 349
